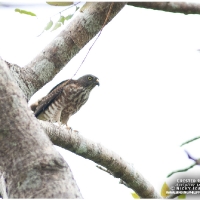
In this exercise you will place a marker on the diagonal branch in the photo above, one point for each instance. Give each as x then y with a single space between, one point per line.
75 36
65 46
74 142
175 7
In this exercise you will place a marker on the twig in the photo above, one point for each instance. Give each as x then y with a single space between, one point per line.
190 157
124 183
65 9
181 170
104 169
57 14
110 173
196 138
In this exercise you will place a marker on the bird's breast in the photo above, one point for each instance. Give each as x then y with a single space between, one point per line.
74 98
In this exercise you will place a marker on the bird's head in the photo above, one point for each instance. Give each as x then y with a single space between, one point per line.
88 81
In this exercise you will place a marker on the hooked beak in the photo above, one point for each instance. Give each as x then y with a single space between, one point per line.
97 82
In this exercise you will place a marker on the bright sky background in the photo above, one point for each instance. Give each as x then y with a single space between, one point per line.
148 102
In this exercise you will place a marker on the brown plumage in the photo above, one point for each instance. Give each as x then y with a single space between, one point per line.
65 99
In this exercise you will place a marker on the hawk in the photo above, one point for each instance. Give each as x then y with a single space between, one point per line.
65 99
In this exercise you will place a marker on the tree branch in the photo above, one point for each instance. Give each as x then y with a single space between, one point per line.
74 142
65 46
32 166
175 7
78 33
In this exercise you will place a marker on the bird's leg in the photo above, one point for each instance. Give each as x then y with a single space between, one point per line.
64 120
68 128
57 117
61 125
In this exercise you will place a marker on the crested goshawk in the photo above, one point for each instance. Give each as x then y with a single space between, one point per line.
65 99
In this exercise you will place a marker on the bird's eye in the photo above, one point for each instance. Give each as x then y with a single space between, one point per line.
89 78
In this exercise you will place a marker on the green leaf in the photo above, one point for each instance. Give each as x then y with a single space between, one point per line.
135 196
25 12
62 19
182 196
165 188
59 3
49 25
68 17
57 25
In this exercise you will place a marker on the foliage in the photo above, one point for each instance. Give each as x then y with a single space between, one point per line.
25 12
62 18
164 188
63 3
135 195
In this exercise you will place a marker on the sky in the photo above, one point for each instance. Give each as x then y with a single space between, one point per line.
147 105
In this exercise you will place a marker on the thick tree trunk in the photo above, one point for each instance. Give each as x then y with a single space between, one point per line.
30 165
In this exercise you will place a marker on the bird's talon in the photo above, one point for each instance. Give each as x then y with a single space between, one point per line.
68 128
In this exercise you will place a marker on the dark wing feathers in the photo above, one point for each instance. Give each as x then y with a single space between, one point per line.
61 84
47 100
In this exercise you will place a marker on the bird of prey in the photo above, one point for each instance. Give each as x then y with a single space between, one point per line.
65 99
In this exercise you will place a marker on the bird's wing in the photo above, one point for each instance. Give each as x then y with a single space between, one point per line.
47 100
61 85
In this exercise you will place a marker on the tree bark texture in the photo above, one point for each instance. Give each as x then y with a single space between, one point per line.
119 168
175 7
31 166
